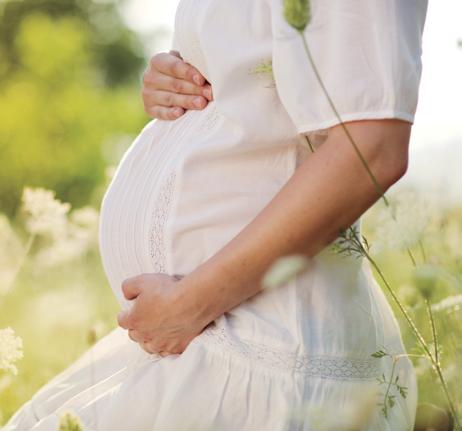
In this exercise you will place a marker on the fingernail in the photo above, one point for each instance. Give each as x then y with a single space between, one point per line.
207 92
197 79
197 102
178 111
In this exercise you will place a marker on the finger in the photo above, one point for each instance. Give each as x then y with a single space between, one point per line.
131 288
168 99
207 92
173 66
165 113
160 81
124 319
135 336
163 354
149 347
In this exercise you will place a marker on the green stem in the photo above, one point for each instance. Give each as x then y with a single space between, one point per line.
309 143
422 250
414 263
434 334
390 382
435 364
379 190
348 134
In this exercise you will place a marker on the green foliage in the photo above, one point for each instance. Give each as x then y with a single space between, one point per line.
67 88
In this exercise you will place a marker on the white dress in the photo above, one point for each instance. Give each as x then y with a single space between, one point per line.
292 358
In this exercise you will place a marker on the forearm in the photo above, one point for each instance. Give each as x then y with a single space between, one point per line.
329 191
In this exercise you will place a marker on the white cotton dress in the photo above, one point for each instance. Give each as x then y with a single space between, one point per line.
293 358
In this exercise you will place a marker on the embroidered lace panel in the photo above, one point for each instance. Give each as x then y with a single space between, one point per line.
210 120
159 217
326 367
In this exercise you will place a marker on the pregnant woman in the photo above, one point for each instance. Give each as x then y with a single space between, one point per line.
201 207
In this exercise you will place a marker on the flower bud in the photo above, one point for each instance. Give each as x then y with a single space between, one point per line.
297 13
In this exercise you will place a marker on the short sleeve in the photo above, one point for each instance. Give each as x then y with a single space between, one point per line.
367 52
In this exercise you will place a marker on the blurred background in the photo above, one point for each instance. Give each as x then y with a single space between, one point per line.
70 105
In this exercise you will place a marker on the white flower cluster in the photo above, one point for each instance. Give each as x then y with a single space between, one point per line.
71 234
402 224
10 350
45 215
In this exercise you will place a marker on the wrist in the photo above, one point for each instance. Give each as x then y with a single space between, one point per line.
195 301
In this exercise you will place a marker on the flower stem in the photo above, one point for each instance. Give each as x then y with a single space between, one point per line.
434 334
347 132
433 358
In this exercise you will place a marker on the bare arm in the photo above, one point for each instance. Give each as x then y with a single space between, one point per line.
329 191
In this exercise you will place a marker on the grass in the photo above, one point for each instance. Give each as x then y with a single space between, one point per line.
54 311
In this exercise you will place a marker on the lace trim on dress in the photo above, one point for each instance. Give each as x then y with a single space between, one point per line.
159 218
210 120
325 367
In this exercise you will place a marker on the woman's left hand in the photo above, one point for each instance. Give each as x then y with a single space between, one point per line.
161 320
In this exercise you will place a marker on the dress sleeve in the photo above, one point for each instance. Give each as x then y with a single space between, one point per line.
367 52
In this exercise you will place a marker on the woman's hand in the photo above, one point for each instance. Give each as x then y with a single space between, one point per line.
162 320
170 86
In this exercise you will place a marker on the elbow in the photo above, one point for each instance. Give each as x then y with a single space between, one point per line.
389 157
383 143
392 168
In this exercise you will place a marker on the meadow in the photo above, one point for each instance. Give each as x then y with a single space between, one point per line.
70 74
55 296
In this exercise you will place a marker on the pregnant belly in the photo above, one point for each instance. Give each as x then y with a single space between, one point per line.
135 208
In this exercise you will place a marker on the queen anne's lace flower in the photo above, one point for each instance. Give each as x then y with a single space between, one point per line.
402 224
78 234
45 215
10 350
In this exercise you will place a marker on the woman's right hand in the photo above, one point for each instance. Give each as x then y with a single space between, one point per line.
171 86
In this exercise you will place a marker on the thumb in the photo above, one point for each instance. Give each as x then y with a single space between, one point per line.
124 318
130 288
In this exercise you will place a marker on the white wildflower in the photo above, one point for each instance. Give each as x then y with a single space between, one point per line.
407 227
450 304
10 350
79 235
283 270
45 215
